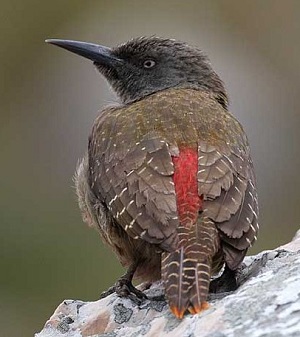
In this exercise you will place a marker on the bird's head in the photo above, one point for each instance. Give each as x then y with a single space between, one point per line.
145 65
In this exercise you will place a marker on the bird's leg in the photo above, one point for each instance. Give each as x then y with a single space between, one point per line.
225 283
124 287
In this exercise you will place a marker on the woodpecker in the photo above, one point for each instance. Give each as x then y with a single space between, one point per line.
168 179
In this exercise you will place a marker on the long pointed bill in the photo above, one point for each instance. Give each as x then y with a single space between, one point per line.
94 52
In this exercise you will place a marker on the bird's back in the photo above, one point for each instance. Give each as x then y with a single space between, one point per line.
135 176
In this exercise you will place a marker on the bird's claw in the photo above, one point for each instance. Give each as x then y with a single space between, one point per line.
124 288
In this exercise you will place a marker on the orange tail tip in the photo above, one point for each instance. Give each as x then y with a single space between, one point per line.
197 309
178 313
193 310
205 305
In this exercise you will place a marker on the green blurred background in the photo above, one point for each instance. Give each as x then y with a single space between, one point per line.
49 99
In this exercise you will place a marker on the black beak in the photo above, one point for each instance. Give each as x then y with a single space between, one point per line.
96 53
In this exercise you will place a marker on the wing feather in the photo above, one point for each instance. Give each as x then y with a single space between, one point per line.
136 185
226 180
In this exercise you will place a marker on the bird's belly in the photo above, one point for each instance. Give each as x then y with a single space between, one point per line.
129 250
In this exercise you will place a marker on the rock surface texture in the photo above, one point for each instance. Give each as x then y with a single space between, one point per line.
267 303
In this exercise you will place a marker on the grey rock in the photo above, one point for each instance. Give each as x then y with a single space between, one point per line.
122 314
267 303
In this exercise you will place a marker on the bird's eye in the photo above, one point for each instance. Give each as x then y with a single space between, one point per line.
149 64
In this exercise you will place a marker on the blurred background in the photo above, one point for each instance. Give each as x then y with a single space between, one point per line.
49 99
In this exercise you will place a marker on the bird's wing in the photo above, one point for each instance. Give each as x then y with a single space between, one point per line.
133 180
226 179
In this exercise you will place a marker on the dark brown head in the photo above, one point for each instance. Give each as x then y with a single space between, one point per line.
146 65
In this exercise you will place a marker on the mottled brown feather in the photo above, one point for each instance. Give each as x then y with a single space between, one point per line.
129 194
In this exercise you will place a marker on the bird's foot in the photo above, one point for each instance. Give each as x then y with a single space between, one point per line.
124 288
225 283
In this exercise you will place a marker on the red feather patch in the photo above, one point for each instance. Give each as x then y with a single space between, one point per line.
189 203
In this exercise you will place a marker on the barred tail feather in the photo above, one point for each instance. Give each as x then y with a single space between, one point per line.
186 272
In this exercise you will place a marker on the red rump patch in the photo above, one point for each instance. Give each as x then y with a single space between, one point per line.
189 203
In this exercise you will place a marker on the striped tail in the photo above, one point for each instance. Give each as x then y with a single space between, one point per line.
186 272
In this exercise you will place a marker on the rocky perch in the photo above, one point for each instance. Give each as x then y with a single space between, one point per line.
267 303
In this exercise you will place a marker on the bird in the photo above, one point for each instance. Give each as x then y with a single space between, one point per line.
168 179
